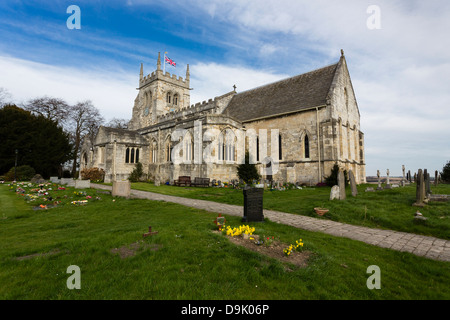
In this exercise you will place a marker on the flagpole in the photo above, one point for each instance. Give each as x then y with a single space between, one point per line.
165 62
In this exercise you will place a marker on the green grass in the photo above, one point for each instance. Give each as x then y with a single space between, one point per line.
191 262
386 209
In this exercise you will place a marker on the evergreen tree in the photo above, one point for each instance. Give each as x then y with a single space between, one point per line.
247 171
40 142
332 179
445 174
137 173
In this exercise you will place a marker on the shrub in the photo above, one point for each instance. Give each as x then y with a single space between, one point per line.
23 173
137 173
93 174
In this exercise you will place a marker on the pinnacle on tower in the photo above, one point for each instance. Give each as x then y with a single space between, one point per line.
187 72
141 74
158 64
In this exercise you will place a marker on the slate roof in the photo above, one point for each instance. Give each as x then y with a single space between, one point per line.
293 94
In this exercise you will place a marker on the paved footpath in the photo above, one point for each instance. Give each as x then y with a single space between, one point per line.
429 247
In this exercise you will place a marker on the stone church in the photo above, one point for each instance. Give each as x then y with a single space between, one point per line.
294 129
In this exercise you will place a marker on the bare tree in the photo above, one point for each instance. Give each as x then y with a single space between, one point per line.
118 123
5 97
85 120
54 109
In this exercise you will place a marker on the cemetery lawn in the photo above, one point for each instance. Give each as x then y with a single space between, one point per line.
186 259
386 209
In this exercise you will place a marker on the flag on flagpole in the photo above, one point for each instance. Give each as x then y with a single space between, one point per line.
171 62
168 60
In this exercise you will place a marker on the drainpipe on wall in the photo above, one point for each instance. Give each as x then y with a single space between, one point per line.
318 143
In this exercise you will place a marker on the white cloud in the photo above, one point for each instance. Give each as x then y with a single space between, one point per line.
112 93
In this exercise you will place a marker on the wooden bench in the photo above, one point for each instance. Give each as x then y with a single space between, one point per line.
183 181
200 182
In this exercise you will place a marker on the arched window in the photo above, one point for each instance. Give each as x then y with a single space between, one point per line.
227 146
175 100
154 152
280 152
306 146
132 155
169 97
257 148
188 148
169 148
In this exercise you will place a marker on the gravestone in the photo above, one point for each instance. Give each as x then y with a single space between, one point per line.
121 189
388 183
370 189
82 184
334 194
420 190
253 205
54 179
403 182
409 176
415 177
341 184
436 178
37 179
427 184
379 181
68 181
352 183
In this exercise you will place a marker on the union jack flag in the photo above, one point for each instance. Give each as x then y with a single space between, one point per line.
170 61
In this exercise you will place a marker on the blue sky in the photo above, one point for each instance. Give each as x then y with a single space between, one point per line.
400 72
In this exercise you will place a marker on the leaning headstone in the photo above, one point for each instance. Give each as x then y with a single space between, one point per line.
37 179
379 181
388 183
253 205
420 190
351 177
121 189
341 183
334 194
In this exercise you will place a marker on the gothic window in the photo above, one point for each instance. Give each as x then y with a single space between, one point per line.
132 155
188 147
257 148
280 152
154 152
227 146
175 100
169 148
169 97
306 146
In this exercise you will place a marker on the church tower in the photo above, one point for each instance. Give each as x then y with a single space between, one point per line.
159 94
